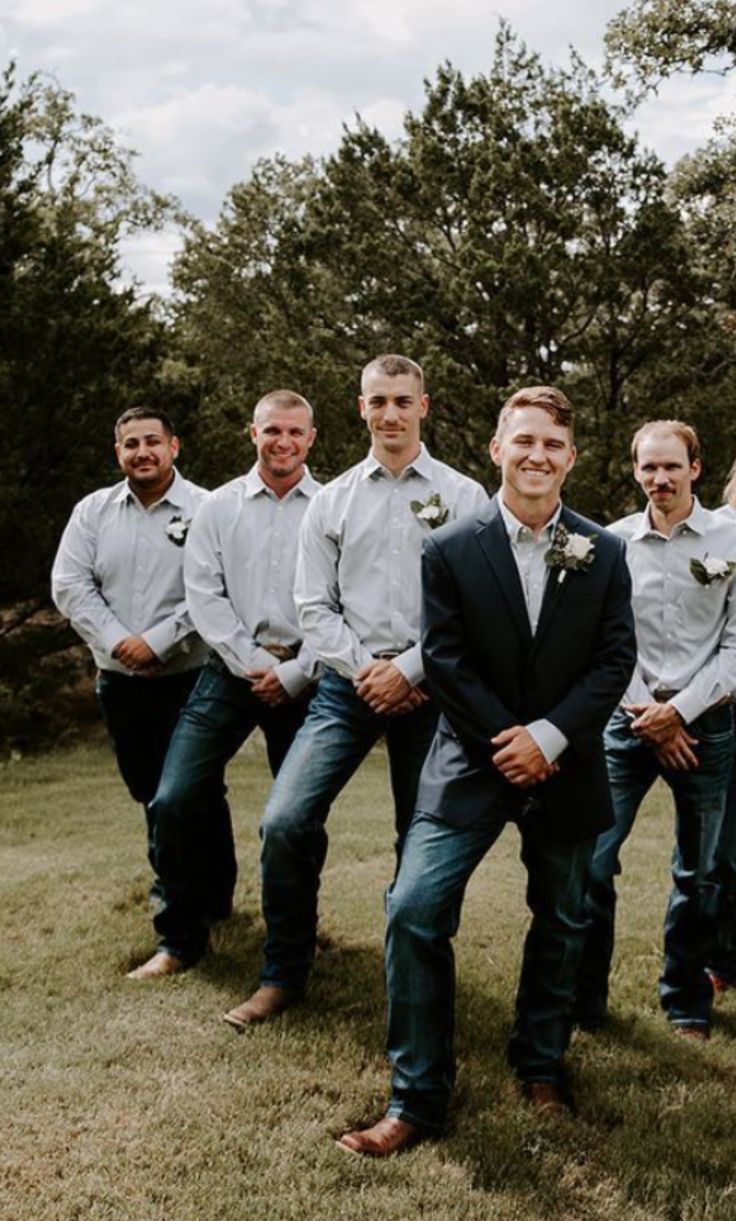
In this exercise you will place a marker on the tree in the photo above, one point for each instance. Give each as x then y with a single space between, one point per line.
75 349
514 234
654 39
253 313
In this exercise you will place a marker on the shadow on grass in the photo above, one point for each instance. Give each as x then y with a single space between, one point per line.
647 1125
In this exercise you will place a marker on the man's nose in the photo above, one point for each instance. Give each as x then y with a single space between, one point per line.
391 411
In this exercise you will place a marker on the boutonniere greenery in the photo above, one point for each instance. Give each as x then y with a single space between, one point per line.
570 552
431 511
178 528
711 568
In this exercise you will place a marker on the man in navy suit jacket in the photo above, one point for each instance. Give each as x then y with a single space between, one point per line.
528 646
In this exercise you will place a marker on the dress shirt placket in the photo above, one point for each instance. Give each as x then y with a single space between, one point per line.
275 510
396 555
140 571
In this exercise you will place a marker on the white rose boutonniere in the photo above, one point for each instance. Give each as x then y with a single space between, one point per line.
431 511
570 552
178 528
711 568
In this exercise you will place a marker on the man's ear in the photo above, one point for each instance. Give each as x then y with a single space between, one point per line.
494 449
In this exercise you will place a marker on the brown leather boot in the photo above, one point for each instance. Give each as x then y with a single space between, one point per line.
267 1002
384 1139
162 964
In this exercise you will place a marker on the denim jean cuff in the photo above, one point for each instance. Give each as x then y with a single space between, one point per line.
399 1110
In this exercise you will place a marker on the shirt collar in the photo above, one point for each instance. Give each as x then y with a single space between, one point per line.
254 485
696 523
421 465
174 494
514 528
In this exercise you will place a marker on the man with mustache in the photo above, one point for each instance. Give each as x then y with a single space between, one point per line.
118 576
675 722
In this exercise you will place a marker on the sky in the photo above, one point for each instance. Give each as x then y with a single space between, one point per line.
202 88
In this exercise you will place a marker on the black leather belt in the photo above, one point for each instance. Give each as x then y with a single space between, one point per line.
282 652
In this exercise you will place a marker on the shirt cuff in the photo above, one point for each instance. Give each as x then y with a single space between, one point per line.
410 665
159 638
112 634
688 705
292 677
550 740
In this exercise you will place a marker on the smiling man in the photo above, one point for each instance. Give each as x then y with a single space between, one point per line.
528 645
118 576
358 593
239 575
675 721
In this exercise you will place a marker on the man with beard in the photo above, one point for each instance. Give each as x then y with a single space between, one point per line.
118 577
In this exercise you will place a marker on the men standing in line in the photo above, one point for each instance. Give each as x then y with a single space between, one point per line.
675 722
239 574
118 576
358 593
528 645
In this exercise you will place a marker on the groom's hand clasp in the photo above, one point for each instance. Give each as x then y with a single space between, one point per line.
519 759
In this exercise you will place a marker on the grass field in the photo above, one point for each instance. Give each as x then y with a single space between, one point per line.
124 1100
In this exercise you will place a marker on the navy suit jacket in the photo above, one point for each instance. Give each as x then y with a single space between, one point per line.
487 672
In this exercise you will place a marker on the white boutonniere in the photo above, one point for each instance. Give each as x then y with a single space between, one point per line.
570 552
178 528
711 568
432 510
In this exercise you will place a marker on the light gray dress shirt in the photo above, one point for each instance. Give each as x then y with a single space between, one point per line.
685 632
239 575
358 575
529 551
117 573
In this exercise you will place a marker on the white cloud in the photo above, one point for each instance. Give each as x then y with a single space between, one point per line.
147 259
204 87
198 144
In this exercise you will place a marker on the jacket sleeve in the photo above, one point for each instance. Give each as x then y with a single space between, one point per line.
474 711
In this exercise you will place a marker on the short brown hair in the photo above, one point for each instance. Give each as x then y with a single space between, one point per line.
394 366
286 399
685 432
549 398
145 413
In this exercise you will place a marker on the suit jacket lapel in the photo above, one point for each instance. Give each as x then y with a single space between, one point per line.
496 548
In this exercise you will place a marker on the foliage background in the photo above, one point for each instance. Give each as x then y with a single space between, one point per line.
514 234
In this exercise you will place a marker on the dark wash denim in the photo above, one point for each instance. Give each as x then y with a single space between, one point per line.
337 735
423 908
141 715
723 958
195 852
699 796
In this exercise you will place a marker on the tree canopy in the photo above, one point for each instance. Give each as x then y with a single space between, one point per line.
653 39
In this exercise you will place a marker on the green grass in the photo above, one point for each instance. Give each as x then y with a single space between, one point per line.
124 1100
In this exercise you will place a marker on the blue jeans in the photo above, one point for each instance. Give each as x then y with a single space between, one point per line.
337 735
689 931
194 849
723 957
141 715
423 907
